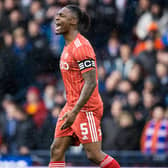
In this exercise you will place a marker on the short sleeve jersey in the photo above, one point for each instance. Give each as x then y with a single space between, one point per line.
77 58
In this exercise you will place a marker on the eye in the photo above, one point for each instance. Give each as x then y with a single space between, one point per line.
62 15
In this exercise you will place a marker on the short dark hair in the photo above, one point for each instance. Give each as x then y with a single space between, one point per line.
83 17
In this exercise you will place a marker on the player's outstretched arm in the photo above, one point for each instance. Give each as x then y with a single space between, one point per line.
87 90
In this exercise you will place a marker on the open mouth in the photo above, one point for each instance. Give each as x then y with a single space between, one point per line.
58 26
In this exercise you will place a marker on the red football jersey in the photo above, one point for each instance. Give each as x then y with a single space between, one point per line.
79 57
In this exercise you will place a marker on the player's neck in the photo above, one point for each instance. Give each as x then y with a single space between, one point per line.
70 36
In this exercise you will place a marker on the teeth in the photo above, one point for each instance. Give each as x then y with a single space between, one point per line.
58 27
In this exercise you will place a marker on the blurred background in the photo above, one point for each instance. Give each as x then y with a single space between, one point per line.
130 38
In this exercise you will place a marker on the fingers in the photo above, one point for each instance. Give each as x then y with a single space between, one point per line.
64 116
67 122
64 125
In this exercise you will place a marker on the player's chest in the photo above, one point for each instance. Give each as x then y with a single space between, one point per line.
67 62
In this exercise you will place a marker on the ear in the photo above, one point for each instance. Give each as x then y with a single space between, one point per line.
74 21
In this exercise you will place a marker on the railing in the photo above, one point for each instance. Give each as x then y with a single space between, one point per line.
125 158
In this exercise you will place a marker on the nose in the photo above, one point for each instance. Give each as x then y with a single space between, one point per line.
57 18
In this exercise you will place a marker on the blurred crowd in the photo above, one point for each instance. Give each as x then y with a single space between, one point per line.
130 38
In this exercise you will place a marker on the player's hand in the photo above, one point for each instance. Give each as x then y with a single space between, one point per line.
69 118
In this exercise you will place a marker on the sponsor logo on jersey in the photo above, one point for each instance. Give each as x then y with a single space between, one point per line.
64 65
84 137
88 63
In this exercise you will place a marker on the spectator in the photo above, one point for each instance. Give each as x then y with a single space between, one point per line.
147 59
49 3
8 126
125 63
26 134
155 135
102 78
151 85
134 105
153 33
37 13
127 130
3 19
136 77
35 107
120 6
47 130
8 41
9 5
22 49
159 15
142 7
111 123
109 53
16 20
59 98
124 87
111 84
149 102
36 9
40 45
106 22
24 5
7 67
162 57
7 100
37 39
83 4
89 6
162 74
49 95
133 101
156 14
131 11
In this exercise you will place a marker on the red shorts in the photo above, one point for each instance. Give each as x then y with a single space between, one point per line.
85 129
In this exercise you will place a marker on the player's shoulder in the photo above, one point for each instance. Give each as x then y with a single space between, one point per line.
81 42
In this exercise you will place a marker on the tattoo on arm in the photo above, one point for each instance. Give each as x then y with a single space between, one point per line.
87 90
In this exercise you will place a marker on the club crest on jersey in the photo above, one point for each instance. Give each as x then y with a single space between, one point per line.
64 65
88 63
